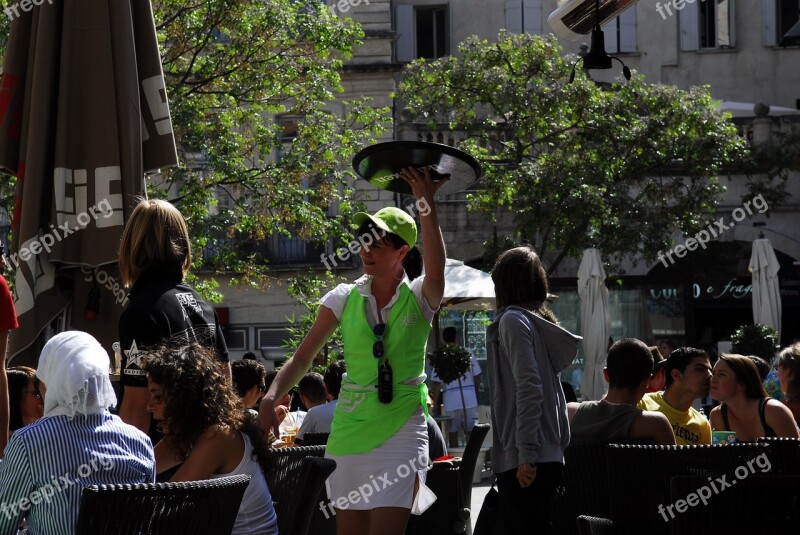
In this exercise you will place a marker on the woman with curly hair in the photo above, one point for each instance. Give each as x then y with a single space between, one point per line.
205 432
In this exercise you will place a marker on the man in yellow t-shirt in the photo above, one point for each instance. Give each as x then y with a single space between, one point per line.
688 377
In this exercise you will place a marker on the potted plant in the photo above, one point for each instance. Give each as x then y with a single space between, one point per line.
756 339
452 362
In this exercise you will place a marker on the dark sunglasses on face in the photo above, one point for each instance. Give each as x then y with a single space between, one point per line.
377 348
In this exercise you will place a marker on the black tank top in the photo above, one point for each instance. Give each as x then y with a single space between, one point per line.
762 407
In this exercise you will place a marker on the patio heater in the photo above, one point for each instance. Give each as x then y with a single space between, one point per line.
598 58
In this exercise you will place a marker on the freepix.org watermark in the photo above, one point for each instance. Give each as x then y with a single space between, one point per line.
716 485
715 229
343 6
375 485
57 484
365 241
12 11
677 5
107 281
36 245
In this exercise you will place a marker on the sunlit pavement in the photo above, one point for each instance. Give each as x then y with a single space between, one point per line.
479 491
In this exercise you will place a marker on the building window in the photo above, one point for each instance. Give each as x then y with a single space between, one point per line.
431 32
422 32
781 22
709 24
716 23
620 33
524 16
236 339
271 341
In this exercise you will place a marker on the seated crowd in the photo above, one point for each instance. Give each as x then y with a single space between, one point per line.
628 371
632 408
206 423
209 427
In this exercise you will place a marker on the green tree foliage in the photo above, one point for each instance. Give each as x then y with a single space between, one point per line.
620 168
756 339
233 70
451 362
308 289
232 67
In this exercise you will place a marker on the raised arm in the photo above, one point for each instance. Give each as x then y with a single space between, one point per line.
296 367
433 251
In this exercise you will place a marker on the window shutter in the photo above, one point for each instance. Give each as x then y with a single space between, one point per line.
610 35
514 16
533 16
627 31
769 18
404 25
690 27
731 22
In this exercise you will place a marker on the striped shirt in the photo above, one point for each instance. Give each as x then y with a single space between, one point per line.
48 462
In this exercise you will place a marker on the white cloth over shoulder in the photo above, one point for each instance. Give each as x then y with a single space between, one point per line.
74 369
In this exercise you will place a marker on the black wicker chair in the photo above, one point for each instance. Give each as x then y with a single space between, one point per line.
189 507
313 439
584 462
452 484
640 478
757 503
784 454
471 452
444 479
294 475
590 525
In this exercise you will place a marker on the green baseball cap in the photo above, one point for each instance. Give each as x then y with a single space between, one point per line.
392 220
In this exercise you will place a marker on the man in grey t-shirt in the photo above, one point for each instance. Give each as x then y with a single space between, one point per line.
628 370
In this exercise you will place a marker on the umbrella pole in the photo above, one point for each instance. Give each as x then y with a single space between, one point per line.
463 407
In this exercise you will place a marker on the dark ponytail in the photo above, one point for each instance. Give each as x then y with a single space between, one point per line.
412 263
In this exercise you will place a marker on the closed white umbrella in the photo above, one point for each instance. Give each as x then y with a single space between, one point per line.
764 266
595 323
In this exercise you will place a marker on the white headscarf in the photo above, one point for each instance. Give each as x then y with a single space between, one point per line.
74 368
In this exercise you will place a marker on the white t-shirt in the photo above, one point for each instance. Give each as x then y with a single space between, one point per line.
318 419
450 395
337 298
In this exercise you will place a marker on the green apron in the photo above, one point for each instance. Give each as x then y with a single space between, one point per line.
361 422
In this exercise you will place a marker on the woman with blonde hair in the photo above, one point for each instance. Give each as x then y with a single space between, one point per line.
154 258
744 406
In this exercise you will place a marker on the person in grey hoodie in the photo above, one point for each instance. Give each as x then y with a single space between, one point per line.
526 353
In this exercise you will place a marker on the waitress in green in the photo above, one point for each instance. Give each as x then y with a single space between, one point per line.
378 437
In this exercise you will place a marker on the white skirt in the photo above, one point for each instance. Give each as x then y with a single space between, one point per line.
385 476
